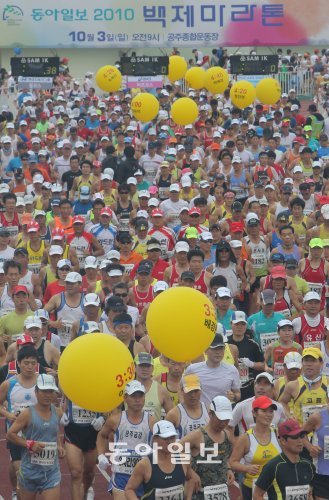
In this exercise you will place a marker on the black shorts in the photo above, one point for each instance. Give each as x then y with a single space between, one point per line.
321 486
82 436
15 451
256 284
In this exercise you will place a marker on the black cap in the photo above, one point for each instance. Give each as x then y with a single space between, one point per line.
304 185
21 250
277 257
286 189
145 266
218 341
283 217
223 245
55 201
306 150
141 225
115 304
258 184
291 263
152 145
253 222
237 206
4 231
187 275
124 237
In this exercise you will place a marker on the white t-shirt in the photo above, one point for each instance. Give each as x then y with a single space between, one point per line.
172 209
243 417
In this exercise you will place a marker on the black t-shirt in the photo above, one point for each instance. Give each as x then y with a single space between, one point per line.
248 348
68 178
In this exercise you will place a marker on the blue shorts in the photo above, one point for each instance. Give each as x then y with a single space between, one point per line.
39 482
120 482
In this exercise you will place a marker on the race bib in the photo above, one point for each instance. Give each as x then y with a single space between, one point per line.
46 457
163 193
124 225
82 416
267 339
244 372
35 268
278 370
65 332
314 343
308 410
286 313
130 463
216 492
316 287
174 493
299 492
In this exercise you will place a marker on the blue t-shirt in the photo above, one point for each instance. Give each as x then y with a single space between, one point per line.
82 208
323 151
14 164
260 324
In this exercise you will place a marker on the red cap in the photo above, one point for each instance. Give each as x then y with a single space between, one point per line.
194 210
78 219
20 288
278 272
33 227
309 181
43 116
106 211
237 227
157 213
186 171
263 402
300 140
323 200
103 119
97 164
58 233
24 339
290 427
214 146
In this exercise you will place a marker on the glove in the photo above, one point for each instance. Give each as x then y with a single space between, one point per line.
103 462
247 362
97 423
65 419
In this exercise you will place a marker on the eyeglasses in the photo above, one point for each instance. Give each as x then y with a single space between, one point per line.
298 436
124 192
123 295
65 269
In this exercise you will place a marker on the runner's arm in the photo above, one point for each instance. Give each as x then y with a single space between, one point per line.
166 401
137 478
286 397
21 422
106 433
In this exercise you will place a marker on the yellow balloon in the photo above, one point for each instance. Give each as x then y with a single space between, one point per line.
196 77
181 323
108 78
110 367
145 107
217 80
184 111
242 94
268 91
177 68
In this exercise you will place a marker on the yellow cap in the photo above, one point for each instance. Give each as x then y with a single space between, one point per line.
325 243
316 242
191 383
312 351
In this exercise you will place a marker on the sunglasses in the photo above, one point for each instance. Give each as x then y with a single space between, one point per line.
223 250
195 216
124 192
65 269
301 435
121 295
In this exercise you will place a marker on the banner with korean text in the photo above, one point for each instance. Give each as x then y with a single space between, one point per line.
162 23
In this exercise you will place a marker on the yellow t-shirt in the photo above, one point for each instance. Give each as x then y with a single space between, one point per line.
13 324
158 367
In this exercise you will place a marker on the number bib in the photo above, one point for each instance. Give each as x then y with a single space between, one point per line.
81 416
35 268
316 287
278 370
309 410
46 457
128 466
173 493
216 492
326 448
267 338
314 343
297 492
65 332
244 373
286 313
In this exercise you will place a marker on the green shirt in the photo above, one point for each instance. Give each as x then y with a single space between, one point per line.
13 324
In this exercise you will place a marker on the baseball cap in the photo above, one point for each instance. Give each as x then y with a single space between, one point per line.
113 254
268 296
73 277
133 387
91 262
106 211
115 270
41 314
284 322
291 263
187 275
263 402
124 237
33 227
325 211
21 250
58 234
24 339
90 327
236 244
266 375
4 231
253 221
143 358
153 245
190 383
141 225
46 382
157 212
174 187
64 263
123 318
153 202
194 211
144 194
164 429
115 304
145 266
277 257
78 219
222 408
32 322
293 360
182 246
238 317
290 428
278 272
56 250
204 184
223 291
312 351
311 296
316 243
160 286
296 169
218 341
191 232
206 236
236 206
20 289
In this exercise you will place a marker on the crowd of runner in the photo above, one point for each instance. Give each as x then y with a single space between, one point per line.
99 215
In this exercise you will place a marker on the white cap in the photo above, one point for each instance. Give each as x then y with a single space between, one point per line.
186 181
113 254
90 327
194 157
115 272
160 286
32 322
294 107
222 407
38 178
28 198
152 131
175 188
138 172
270 186
143 214
288 180
41 314
56 250
266 375
236 122
79 144
284 322
46 383
164 429
204 184
262 120
133 387
293 360
144 194
182 246
236 244
91 262
223 291
132 180
311 296
63 262
171 152
91 299
239 317
10 125
39 212
236 159
206 236
56 188
291 90
251 215
325 211
217 133
104 263
153 202
73 277
296 169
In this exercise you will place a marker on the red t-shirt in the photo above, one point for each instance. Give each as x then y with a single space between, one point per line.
52 289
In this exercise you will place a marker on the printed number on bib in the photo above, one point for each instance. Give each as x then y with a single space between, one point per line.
244 372
278 370
82 416
297 492
65 332
216 492
266 339
174 493
309 410
130 463
46 456
315 287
